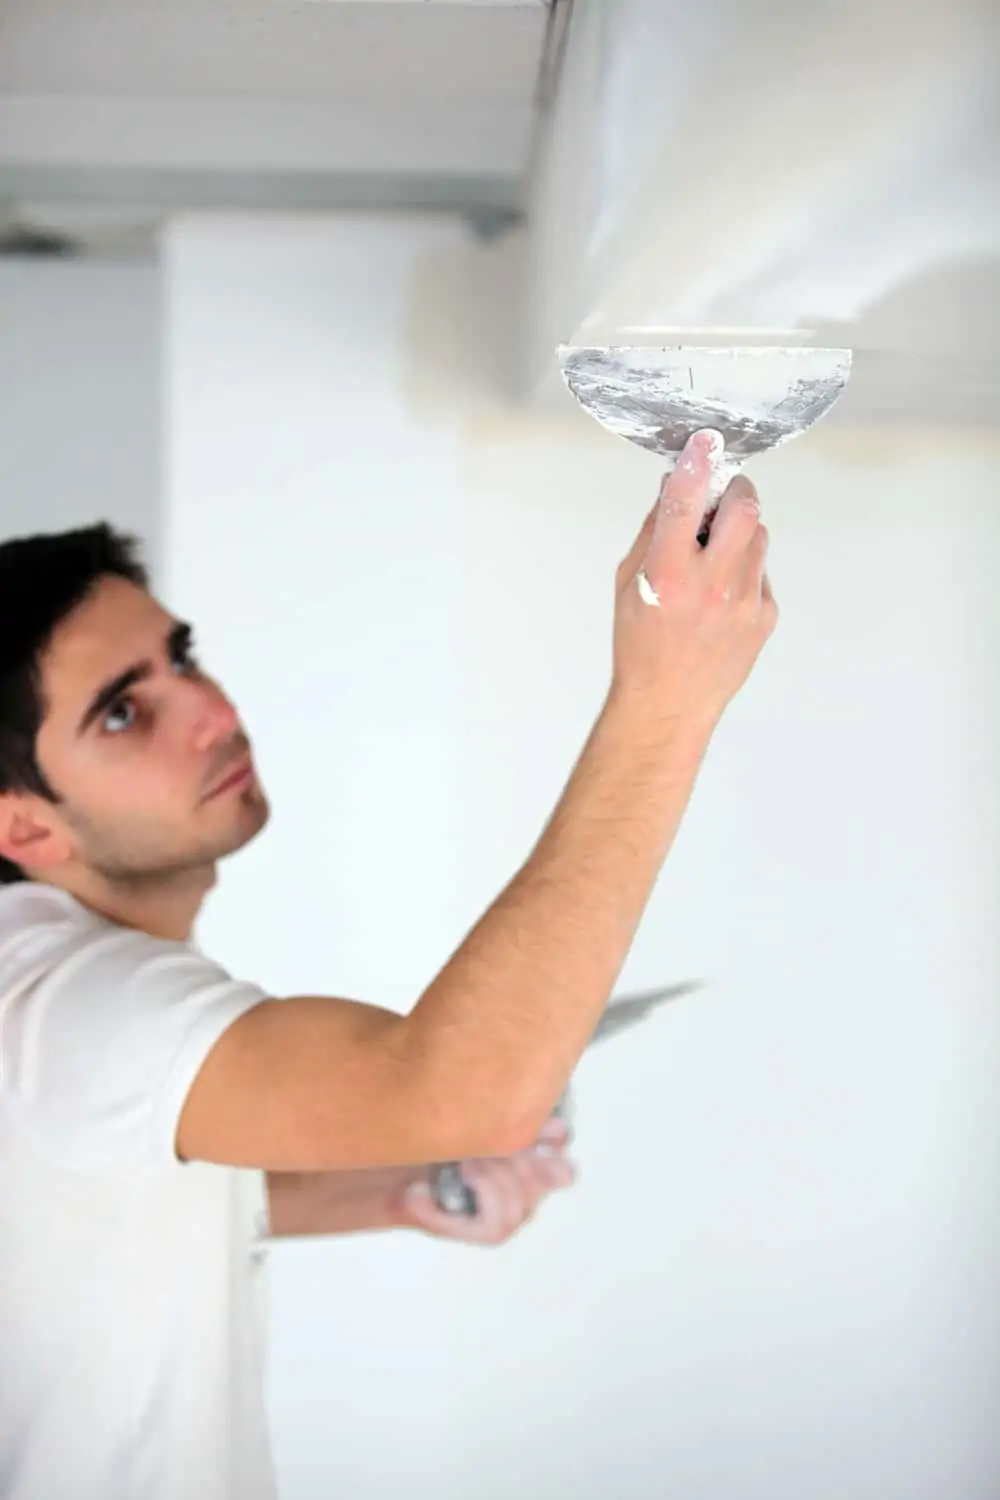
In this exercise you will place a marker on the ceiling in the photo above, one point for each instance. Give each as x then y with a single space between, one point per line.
761 171
110 105
382 50
878 226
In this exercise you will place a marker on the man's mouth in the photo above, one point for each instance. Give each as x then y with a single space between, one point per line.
237 777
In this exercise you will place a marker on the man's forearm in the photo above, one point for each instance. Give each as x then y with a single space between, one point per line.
507 1017
337 1202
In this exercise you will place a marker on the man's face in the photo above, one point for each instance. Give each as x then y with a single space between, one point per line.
140 746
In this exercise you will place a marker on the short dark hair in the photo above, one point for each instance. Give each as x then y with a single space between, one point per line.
42 580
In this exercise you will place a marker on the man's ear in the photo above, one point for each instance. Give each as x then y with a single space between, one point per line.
30 835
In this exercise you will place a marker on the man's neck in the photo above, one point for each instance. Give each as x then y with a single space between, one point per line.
164 909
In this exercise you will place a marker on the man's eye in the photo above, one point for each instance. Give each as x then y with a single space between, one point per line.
121 717
187 661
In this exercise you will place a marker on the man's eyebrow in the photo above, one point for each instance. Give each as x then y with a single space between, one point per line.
178 641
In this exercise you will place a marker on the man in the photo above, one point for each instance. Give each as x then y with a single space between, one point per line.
154 1108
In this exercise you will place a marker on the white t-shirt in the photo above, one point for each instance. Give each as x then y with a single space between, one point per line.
131 1297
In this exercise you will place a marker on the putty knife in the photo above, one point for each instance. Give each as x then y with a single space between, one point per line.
755 397
451 1191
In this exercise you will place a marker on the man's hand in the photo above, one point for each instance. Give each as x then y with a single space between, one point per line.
509 1190
691 620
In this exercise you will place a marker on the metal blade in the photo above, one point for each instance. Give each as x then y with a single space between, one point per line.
657 397
626 1011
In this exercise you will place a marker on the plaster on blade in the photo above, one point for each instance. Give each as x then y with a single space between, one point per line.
657 397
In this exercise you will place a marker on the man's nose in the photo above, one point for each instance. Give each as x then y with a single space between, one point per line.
215 717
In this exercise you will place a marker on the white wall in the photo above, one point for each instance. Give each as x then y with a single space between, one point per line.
79 396
777 1276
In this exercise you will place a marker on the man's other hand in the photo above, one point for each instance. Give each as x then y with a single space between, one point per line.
509 1191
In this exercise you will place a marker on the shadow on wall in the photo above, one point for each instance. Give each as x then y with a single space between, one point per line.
463 332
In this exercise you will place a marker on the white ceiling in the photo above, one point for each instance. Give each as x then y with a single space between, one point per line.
758 170
881 225
391 52
257 102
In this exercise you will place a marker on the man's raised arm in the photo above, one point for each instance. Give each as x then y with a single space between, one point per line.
314 1083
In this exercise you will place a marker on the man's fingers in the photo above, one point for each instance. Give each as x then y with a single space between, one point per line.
673 525
558 1172
554 1133
755 578
543 1170
734 527
531 1180
683 502
508 1191
505 1199
424 1213
498 1195
737 546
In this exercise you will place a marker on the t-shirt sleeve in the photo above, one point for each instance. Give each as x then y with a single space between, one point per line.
101 1038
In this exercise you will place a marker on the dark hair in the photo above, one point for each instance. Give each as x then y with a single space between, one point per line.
42 580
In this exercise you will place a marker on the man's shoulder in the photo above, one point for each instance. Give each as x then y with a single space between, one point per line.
26 904
39 925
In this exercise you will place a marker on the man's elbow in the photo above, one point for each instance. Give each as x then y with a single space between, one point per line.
498 1131
524 1131
464 1117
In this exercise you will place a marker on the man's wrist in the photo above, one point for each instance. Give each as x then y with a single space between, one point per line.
343 1202
641 719
388 1195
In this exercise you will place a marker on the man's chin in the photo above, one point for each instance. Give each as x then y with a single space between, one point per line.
256 814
